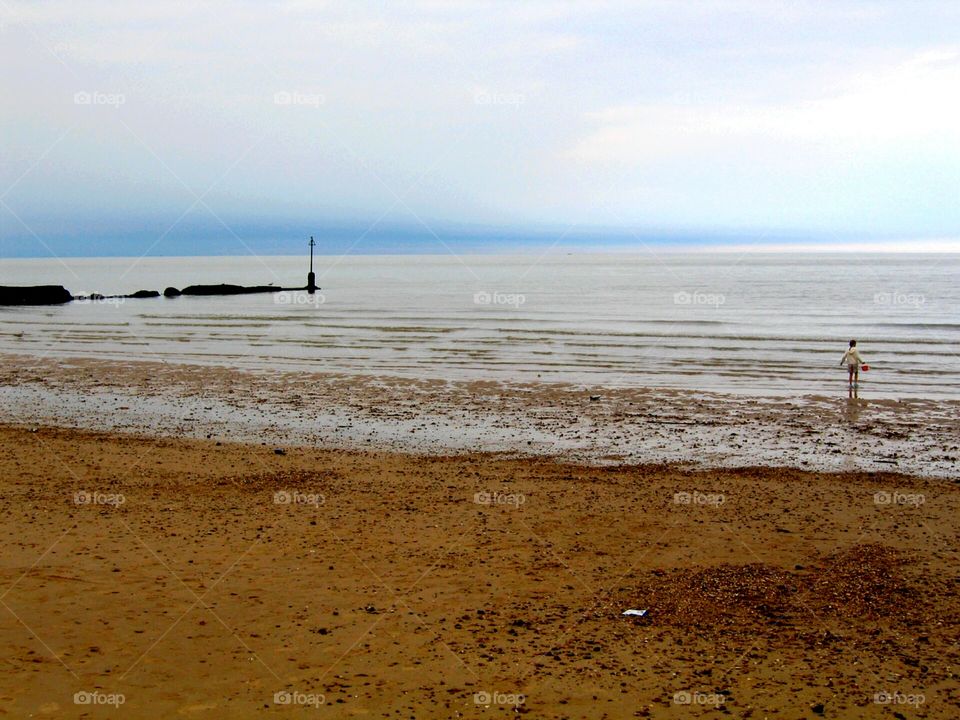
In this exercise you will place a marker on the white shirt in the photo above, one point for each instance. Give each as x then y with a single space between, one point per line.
852 357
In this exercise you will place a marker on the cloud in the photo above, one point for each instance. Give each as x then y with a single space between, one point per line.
716 111
915 101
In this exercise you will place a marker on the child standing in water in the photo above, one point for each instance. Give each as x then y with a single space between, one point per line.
853 360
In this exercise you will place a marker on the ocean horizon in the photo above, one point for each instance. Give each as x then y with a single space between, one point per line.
358 243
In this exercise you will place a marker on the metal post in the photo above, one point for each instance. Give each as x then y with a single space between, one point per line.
311 277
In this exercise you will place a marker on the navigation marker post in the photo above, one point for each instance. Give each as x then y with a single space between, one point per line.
311 276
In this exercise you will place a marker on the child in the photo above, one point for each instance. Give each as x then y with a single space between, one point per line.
853 360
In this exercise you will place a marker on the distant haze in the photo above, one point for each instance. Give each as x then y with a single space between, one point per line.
173 128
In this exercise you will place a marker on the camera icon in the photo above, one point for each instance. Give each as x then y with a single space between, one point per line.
282 697
682 698
482 498
682 298
282 497
682 498
482 298
282 98
482 698
882 498
82 698
82 498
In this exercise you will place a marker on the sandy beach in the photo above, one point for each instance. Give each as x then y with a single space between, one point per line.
173 577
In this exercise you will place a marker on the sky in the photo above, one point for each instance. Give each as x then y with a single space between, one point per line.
220 127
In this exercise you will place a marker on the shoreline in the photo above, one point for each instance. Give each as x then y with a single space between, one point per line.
587 425
381 584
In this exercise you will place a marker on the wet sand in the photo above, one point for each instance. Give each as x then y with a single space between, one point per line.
594 425
199 578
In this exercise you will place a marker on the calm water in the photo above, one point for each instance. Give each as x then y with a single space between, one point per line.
775 323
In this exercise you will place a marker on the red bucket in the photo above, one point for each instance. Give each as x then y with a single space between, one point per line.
864 367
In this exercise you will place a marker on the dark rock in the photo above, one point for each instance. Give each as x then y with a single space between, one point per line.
171 292
139 294
279 451
224 289
34 295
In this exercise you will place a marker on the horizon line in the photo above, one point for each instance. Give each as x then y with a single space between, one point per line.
899 247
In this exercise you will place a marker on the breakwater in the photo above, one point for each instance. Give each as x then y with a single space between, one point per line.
58 295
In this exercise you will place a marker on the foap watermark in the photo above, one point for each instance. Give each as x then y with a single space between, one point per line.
696 497
499 298
86 497
898 497
482 96
496 697
295 97
92 298
896 697
293 697
899 299
294 497
699 298
85 697
97 97
485 497
299 299
695 697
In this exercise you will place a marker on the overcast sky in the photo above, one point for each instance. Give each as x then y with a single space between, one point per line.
131 127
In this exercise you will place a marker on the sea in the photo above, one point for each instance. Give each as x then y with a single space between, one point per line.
746 323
